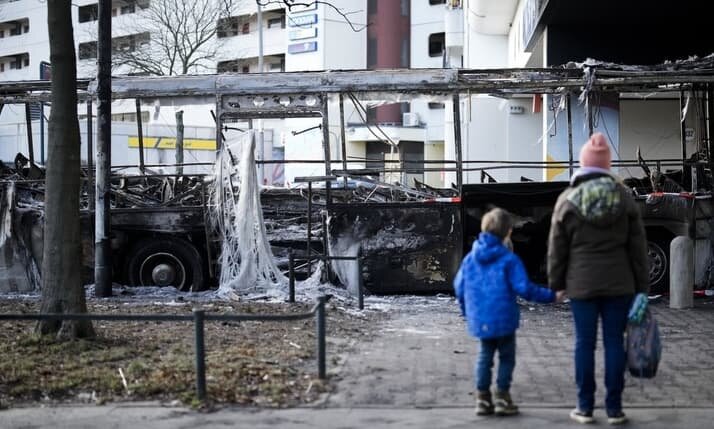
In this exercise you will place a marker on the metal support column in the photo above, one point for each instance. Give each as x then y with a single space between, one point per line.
42 133
90 156
326 148
102 248
568 106
457 141
686 171
198 320
179 142
710 125
321 366
30 145
343 137
140 130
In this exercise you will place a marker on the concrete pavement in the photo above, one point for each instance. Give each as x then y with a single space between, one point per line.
415 370
150 415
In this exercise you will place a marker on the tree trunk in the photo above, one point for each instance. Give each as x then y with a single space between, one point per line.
62 289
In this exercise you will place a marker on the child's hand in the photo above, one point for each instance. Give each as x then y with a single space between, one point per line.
560 296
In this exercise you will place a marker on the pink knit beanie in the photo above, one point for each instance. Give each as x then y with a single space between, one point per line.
595 152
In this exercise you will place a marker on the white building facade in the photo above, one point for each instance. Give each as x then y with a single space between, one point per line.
316 37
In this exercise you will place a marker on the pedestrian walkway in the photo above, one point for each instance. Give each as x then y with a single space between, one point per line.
422 357
415 370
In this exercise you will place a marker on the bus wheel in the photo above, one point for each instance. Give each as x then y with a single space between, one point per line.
658 258
165 262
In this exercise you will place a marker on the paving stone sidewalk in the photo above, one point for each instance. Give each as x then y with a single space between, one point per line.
422 357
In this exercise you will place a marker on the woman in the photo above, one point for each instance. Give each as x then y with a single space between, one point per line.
597 254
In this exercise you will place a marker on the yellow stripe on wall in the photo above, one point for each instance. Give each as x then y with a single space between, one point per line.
170 143
551 173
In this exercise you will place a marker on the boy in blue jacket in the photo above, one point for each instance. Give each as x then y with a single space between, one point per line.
488 281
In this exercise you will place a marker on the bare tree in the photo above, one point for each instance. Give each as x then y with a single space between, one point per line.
173 37
62 290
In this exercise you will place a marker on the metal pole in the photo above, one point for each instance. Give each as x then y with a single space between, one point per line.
30 145
342 137
198 317
360 282
320 314
261 135
140 130
42 133
291 275
570 134
309 226
589 108
326 148
90 142
686 173
457 140
325 250
710 125
260 39
102 248
179 142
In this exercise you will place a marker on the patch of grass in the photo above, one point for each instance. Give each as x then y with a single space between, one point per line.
252 363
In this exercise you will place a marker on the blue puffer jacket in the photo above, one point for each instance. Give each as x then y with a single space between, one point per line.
486 286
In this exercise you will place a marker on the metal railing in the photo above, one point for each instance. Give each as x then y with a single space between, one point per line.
198 317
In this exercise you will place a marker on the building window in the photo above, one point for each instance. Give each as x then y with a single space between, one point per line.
433 105
437 43
228 27
404 54
371 52
405 7
276 22
87 50
88 13
2 34
435 2
2 67
26 28
246 28
27 61
126 117
129 8
245 69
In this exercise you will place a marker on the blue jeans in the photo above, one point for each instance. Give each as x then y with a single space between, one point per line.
506 347
613 312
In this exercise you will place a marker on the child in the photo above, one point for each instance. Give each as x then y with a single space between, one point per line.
486 286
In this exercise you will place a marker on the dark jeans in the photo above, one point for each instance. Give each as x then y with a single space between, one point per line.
506 347
613 312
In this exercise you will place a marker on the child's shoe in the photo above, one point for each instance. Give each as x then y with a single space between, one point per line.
616 417
583 417
504 405
484 405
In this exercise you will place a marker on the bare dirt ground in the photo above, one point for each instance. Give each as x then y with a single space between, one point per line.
267 364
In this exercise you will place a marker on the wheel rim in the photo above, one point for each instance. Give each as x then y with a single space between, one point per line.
657 261
162 269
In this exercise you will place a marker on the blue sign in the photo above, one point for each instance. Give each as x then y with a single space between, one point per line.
299 48
302 20
302 33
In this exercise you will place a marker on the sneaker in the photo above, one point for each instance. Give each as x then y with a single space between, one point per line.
484 405
503 404
616 418
583 417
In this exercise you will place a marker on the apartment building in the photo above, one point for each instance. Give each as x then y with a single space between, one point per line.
551 33
316 37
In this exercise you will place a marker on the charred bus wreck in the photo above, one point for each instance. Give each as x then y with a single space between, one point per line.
410 236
